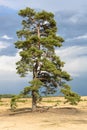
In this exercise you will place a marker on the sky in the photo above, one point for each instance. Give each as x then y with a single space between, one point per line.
71 19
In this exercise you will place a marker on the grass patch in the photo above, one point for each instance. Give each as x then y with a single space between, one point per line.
51 101
22 101
1 103
83 100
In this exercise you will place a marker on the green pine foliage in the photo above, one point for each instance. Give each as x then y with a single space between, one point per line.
37 41
13 102
71 97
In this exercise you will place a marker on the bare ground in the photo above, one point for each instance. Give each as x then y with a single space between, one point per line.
60 117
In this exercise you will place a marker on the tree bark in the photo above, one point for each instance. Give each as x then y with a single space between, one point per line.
34 92
38 33
34 101
34 98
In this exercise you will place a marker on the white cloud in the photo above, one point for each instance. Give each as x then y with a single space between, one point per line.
75 59
76 66
82 37
6 37
73 51
7 63
8 68
77 38
3 45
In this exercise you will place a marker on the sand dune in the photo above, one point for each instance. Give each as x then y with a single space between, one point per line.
60 117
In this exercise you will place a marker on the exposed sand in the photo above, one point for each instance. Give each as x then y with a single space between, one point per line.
61 117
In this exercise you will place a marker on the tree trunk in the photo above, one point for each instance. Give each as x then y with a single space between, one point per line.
34 98
34 101
38 33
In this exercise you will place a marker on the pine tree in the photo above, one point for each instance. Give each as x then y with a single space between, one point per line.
37 43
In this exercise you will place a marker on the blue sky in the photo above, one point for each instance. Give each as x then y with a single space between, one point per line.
71 18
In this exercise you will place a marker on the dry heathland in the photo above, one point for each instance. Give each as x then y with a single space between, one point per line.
59 117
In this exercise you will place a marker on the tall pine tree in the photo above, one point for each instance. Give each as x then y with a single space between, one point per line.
37 43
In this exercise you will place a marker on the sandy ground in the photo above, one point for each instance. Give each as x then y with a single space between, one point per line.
61 117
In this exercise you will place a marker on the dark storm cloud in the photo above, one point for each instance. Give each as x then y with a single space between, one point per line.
9 21
72 26
77 42
79 85
71 23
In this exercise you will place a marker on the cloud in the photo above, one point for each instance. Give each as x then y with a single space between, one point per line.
7 63
72 26
3 45
82 37
8 67
74 19
66 27
77 66
78 17
71 23
12 23
6 37
7 48
10 81
72 51
75 58
8 29
53 5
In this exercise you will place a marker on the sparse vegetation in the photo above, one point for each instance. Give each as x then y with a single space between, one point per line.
55 102
51 117
6 95
51 101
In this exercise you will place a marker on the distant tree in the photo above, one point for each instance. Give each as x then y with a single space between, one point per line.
37 43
